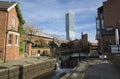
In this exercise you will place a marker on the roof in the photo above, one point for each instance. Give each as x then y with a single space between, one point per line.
94 44
6 5
100 9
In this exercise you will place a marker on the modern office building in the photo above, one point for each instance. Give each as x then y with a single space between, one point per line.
70 31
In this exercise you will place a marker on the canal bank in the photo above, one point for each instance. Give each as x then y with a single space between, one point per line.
78 72
27 68
94 69
64 65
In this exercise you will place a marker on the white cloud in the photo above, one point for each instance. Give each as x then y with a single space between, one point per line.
50 14
85 26
52 9
57 34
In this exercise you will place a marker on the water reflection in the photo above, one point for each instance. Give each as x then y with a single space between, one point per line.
56 74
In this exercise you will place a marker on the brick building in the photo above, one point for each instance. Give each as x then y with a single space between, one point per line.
107 22
9 36
84 38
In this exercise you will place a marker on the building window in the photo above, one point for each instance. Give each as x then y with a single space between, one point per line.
98 32
108 41
13 22
10 39
98 24
102 23
101 15
16 40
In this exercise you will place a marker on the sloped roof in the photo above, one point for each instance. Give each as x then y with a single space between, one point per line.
5 5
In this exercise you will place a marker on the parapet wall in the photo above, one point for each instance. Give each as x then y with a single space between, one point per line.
28 71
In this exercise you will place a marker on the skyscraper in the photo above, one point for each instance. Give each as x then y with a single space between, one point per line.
70 31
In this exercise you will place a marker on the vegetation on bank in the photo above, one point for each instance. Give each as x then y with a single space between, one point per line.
22 47
73 47
21 20
68 52
20 29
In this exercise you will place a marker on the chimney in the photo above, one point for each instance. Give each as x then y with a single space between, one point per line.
81 35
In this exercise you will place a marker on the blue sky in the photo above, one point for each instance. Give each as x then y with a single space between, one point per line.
50 15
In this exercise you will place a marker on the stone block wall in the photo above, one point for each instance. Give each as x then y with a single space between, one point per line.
28 71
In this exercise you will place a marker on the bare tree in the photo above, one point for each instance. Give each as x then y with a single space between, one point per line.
30 30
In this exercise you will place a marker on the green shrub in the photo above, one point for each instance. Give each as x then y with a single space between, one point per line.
22 47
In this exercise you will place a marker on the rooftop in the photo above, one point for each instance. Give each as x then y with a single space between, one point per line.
4 5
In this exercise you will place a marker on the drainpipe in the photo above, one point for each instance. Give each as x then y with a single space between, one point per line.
117 36
6 24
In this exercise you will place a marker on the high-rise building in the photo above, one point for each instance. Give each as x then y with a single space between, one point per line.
70 31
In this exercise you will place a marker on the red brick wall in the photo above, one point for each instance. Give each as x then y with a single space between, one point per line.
103 42
85 37
12 13
35 51
111 10
12 52
111 14
3 17
28 48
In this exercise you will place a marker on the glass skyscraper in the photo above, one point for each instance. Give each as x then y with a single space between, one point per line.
70 31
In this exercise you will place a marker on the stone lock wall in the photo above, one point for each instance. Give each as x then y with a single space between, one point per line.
27 71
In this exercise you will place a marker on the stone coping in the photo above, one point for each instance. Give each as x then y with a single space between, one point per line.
24 62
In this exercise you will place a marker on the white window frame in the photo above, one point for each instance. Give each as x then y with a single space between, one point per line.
14 34
98 24
13 21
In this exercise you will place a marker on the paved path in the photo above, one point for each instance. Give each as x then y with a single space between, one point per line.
94 69
101 69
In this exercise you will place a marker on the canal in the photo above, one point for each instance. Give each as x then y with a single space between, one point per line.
64 65
55 74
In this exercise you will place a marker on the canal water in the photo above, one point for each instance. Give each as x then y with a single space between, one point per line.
55 74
